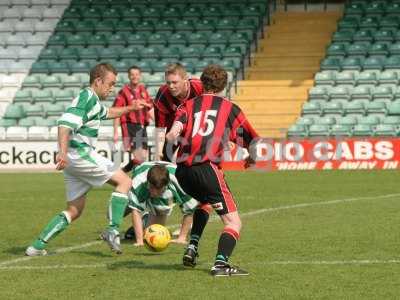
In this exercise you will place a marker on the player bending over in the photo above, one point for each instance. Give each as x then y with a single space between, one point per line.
155 189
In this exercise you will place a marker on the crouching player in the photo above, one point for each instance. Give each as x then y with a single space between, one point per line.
155 189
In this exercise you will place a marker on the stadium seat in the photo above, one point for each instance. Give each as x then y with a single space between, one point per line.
392 62
64 95
373 63
332 108
28 121
43 96
355 107
330 63
306 121
38 133
382 93
386 130
51 81
317 93
297 130
34 110
14 112
23 96
346 78
312 108
394 109
361 92
55 109
343 36
32 81
376 108
341 130
17 133
8 122
380 49
336 50
318 130
49 122
363 130
367 78
339 93
388 77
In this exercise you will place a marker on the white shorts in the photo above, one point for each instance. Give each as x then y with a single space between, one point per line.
84 171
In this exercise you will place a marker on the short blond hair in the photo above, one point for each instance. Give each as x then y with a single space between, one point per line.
176 68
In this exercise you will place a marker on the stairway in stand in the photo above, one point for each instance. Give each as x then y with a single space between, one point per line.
282 71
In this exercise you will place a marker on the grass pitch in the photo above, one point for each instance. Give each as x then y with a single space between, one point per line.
306 235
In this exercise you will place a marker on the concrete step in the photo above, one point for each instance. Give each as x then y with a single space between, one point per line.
270 92
287 62
267 83
268 106
280 75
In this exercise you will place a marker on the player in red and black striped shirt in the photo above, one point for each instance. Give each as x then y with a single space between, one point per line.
177 89
204 126
133 125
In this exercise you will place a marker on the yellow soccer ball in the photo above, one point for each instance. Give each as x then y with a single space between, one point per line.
157 237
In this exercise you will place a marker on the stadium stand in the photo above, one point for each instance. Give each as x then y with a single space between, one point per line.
359 75
54 44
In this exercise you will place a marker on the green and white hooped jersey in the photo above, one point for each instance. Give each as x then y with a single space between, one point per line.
83 118
139 196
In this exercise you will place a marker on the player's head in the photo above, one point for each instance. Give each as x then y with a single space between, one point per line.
102 79
134 75
157 180
176 80
214 79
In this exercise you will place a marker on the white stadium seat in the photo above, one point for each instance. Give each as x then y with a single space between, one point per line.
53 133
2 133
17 133
38 133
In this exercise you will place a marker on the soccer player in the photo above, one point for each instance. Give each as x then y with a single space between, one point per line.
203 127
83 167
156 189
177 89
133 125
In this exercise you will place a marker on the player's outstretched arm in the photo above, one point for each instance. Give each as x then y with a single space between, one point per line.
138 227
116 112
187 221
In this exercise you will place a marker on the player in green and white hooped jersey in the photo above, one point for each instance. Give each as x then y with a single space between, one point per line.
155 189
83 167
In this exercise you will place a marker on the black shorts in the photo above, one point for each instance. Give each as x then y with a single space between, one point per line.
206 183
136 136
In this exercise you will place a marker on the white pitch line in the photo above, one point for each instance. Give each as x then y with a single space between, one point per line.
269 263
251 213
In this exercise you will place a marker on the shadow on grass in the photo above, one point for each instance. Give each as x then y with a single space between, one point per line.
16 250
100 254
134 264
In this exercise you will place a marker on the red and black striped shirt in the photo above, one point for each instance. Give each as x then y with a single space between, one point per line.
165 105
126 96
209 122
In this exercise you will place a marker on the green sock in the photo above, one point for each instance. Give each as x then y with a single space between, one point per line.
116 209
52 229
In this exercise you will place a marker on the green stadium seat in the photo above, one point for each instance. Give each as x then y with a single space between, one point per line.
32 81
326 120
330 63
55 109
97 39
393 109
138 38
164 25
332 108
49 54
145 25
355 107
369 120
111 13
160 65
376 108
363 130
311 108
23 96
379 48
51 81
88 53
91 14
346 78
177 39
356 9
394 49
347 120
170 53
150 52
351 63
81 67
189 64
341 130
325 78
343 36
200 65
123 65
212 11
206 25
42 96
63 95
386 130
57 40
191 52
72 14
367 78
212 52
70 81
8 122
358 49
157 38
14 111
369 22
230 24
391 120
373 63
306 121
34 110
348 22
184 25
218 39
116 39
365 35
151 12
85 26
78 39
146 65
297 130
318 130
392 62
361 92
388 77
382 93
375 8
134 12
68 53
336 49
124 26
27 122
65 26
383 35
318 93
392 10
172 12
339 93
108 53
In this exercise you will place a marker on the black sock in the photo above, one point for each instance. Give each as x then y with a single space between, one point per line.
226 244
200 219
